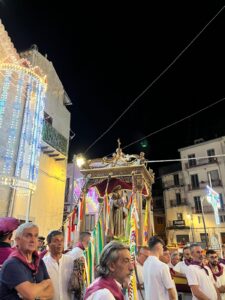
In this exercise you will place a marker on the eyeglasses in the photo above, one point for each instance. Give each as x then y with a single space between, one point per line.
213 257
199 252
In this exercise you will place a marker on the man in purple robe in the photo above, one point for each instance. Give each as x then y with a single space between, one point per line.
7 226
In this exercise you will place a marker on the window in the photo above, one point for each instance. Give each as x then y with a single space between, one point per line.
214 177
179 216
176 179
197 201
191 162
222 219
211 152
182 238
194 181
171 203
89 222
178 198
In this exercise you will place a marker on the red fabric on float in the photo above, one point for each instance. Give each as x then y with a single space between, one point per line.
112 184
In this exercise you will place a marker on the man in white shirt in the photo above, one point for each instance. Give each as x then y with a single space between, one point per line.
59 266
200 278
114 270
174 259
218 271
80 264
157 279
142 255
81 245
181 266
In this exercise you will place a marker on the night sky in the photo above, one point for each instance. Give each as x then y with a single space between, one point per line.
107 54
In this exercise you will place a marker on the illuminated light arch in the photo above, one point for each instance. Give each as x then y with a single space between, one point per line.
22 92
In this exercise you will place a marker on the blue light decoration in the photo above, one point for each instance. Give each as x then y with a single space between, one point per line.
214 199
22 93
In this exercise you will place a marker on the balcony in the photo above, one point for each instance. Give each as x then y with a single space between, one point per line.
54 139
206 208
193 163
203 184
177 225
175 203
171 184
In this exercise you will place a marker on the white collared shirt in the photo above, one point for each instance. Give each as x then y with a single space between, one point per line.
60 274
157 279
103 294
180 267
220 280
198 276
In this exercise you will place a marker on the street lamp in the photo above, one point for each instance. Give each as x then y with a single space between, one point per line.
79 160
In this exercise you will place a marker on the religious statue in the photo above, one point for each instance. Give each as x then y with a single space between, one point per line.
118 212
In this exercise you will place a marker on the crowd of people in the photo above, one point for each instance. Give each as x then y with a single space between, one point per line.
30 270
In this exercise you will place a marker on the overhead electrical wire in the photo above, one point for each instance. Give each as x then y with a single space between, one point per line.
185 159
174 123
154 81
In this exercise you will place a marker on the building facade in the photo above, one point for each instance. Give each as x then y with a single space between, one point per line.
34 140
185 194
47 202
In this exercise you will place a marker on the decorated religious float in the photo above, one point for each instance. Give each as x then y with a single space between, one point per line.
118 190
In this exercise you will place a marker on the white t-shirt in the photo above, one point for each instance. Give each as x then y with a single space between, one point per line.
140 271
60 274
157 279
221 281
103 294
76 253
197 276
180 267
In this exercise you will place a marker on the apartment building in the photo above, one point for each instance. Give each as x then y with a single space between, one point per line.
184 190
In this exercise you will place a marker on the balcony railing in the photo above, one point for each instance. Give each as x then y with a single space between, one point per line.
177 224
171 183
203 184
55 139
175 203
200 162
206 208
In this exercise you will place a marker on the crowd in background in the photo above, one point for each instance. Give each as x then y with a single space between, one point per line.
34 270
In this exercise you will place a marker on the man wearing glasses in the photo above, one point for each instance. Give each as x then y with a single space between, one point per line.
200 277
143 254
217 270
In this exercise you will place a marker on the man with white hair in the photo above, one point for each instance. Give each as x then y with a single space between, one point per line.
23 274
114 270
200 278
174 259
